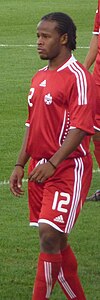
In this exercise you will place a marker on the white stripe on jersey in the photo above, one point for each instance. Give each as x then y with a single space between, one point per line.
80 77
48 277
79 168
65 284
81 83
84 82
62 129
71 60
44 68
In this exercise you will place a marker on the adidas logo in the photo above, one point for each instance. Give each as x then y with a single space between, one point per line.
59 219
43 83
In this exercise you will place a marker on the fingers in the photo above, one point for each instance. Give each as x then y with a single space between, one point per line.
16 191
37 176
41 172
16 188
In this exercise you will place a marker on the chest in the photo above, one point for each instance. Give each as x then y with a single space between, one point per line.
49 89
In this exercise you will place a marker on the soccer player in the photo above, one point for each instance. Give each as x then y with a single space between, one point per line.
58 131
93 55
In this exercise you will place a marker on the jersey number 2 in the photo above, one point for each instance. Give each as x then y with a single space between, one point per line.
30 97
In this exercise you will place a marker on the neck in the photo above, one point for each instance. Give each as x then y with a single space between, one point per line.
59 60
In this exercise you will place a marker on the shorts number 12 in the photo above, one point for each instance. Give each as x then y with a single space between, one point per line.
63 202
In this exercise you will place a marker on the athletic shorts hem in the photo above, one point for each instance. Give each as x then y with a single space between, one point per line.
34 224
50 223
96 128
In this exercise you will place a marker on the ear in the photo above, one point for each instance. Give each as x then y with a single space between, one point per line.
64 39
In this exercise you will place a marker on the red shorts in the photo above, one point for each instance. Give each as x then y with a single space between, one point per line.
97 116
59 200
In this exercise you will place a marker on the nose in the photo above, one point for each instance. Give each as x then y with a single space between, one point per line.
39 40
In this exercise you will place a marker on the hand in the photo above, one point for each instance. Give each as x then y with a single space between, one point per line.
16 181
41 172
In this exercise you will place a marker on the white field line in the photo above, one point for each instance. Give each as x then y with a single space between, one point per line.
32 45
8 45
6 182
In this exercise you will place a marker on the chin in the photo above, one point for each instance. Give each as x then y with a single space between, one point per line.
43 57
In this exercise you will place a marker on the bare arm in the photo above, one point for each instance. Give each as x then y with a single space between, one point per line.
73 139
23 156
71 142
92 53
18 172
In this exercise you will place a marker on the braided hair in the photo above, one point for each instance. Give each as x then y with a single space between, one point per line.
64 25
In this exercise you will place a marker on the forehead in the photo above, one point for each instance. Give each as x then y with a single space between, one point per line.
47 26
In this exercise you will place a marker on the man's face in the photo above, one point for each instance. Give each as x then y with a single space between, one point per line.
49 40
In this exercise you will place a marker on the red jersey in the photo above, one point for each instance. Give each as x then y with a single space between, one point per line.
59 100
96 71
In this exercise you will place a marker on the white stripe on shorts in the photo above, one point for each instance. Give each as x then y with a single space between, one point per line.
78 172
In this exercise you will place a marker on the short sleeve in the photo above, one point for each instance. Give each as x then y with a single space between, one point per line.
96 23
82 105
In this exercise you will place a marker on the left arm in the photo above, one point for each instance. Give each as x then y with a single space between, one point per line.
92 53
73 139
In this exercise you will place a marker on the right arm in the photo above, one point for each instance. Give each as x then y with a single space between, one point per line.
92 53
18 172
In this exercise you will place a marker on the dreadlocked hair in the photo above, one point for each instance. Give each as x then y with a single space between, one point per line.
64 25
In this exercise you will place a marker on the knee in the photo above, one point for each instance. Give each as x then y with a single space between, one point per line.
49 240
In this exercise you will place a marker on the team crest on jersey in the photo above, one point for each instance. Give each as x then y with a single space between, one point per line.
48 99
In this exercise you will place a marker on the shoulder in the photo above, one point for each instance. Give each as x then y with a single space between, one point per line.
39 72
78 70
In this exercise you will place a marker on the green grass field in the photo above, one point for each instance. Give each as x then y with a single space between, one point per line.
19 245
